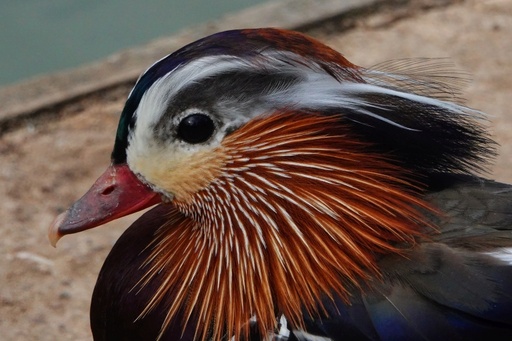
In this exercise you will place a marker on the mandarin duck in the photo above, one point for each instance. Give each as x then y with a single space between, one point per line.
299 197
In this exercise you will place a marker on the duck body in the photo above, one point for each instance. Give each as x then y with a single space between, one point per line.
447 288
299 197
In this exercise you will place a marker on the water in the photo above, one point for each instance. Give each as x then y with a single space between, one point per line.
39 37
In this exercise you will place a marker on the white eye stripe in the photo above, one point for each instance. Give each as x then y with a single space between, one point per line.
315 89
155 100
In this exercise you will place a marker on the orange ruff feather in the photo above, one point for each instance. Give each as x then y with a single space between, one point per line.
299 209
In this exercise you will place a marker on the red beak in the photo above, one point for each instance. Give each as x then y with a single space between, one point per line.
117 193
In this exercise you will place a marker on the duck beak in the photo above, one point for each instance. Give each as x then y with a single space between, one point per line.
116 193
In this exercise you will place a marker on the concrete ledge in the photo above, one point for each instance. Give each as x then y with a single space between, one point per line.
41 96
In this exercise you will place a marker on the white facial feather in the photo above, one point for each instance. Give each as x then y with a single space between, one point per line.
314 89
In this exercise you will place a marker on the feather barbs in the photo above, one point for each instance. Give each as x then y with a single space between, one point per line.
296 213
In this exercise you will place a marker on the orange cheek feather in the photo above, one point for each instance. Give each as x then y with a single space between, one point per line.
277 217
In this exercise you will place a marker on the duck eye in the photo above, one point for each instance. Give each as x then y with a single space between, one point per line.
196 128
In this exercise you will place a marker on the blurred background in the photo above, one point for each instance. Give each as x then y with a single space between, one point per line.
46 36
57 131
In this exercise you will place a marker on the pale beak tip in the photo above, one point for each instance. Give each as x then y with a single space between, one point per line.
53 232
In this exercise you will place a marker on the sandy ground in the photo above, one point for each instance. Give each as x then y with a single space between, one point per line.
45 292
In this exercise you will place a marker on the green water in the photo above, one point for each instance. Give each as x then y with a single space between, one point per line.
43 36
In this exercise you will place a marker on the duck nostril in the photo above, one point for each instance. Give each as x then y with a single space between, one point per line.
108 190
